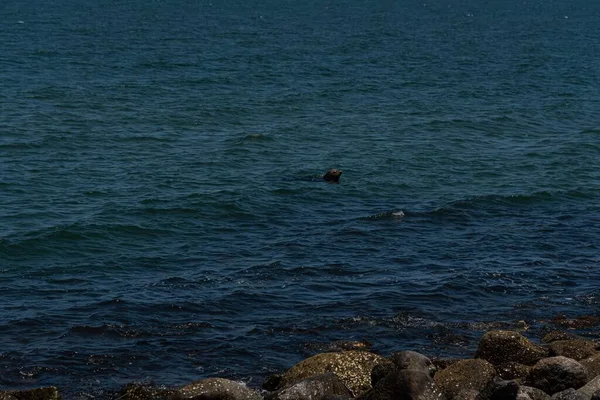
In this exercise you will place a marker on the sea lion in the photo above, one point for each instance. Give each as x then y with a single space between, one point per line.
333 175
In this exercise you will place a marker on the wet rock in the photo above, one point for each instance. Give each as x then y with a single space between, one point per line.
46 393
569 394
413 360
500 347
406 384
216 389
464 374
339 345
592 364
135 391
512 370
555 374
352 367
531 393
576 349
558 335
318 387
582 322
591 388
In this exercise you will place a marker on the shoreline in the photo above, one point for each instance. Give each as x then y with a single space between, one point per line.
511 362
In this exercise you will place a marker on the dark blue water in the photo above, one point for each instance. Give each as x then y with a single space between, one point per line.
159 223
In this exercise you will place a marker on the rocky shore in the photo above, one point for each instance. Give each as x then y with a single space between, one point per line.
507 365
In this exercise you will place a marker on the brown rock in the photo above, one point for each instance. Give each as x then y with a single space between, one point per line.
531 393
467 394
569 394
512 370
500 347
46 393
576 349
140 392
318 387
558 335
352 367
592 364
216 389
581 322
463 375
555 374
443 363
591 387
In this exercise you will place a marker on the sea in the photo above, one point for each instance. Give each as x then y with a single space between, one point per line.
162 213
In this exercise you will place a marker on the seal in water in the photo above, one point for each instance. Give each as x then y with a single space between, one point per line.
333 175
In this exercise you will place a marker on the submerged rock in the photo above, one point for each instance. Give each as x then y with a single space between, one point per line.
500 347
216 389
465 374
555 374
352 367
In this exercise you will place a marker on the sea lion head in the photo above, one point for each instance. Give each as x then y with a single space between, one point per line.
333 175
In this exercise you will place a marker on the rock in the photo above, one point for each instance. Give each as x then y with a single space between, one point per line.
272 382
581 322
464 374
467 394
46 393
443 363
406 384
500 347
380 371
499 389
339 345
413 360
352 367
555 374
512 370
135 391
596 395
591 388
576 349
558 335
569 394
592 364
216 389
531 393
317 387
